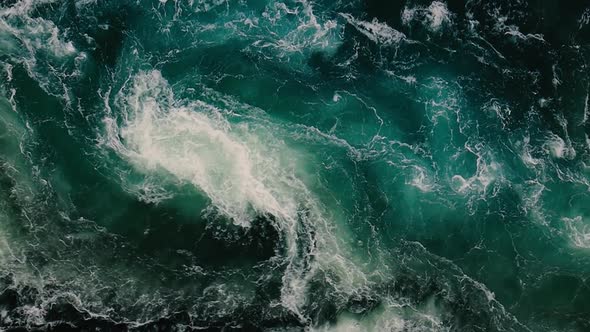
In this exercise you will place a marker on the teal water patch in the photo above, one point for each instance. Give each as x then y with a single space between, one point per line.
296 165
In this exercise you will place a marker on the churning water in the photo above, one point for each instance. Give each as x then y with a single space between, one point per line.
317 165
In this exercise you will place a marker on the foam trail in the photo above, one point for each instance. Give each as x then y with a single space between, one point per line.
586 106
376 31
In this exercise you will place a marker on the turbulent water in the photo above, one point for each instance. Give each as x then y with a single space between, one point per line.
293 165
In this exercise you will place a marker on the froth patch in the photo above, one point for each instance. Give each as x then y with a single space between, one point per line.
578 231
390 317
193 143
422 180
434 17
294 29
21 32
376 31
558 148
487 173
238 163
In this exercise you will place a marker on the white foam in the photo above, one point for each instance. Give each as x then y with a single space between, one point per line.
408 15
378 32
421 180
543 102
434 17
82 3
195 144
459 184
242 168
513 30
501 110
8 68
23 7
391 316
203 6
410 79
488 171
438 13
36 33
526 156
557 147
24 38
34 315
584 19
300 29
586 107
578 231
152 193
531 193
4 246
336 98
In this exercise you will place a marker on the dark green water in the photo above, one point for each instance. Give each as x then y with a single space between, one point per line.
299 165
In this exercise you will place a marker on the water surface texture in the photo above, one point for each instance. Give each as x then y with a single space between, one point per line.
295 165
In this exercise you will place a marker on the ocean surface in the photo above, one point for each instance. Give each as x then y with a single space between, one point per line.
294 165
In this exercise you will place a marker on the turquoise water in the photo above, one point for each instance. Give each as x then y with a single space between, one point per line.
296 165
